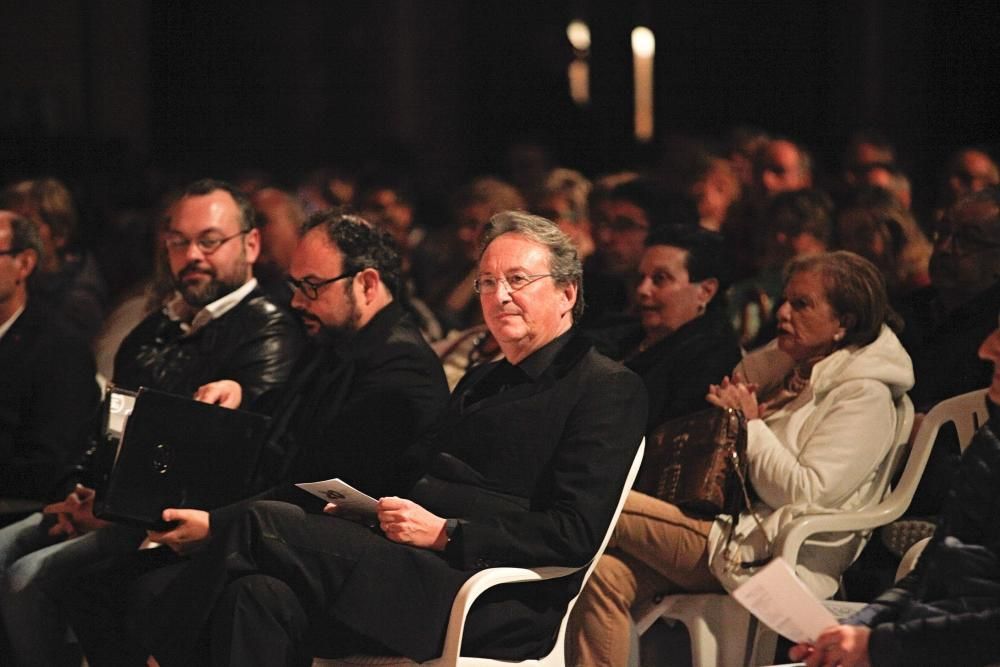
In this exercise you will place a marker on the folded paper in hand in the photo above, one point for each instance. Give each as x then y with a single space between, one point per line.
343 495
782 602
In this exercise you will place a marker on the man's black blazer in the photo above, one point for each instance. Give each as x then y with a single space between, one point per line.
551 458
48 403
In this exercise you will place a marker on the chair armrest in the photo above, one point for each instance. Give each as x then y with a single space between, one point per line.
482 581
791 537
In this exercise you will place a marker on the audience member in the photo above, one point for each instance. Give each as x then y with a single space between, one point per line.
946 321
216 325
821 409
969 170
874 224
631 209
279 218
564 200
781 165
947 610
744 142
68 278
387 203
529 463
444 268
795 224
866 150
326 188
716 190
48 397
685 342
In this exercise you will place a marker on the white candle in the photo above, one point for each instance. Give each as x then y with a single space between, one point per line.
578 34
579 82
643 49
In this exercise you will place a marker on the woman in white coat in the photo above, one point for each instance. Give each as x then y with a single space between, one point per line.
820 403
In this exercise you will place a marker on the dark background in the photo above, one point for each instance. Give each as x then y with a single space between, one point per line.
109 93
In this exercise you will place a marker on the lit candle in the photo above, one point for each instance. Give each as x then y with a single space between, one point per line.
579 81
643 48
579 70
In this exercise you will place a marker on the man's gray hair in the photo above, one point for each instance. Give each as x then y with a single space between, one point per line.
564 262
24 235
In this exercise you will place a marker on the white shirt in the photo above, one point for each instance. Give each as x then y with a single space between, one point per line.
175 307
5 327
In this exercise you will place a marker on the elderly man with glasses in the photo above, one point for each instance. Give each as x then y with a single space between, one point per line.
216 324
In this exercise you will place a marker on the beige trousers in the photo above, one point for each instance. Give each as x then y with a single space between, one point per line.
655 550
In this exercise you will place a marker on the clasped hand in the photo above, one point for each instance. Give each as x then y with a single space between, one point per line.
737 394
406 522
75 514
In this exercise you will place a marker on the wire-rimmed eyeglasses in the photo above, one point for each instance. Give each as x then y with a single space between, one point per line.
514 282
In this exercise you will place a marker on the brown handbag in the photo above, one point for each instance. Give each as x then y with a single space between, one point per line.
698 463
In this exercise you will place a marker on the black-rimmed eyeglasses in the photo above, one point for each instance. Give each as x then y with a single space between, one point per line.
11 252
310 288
206 244
514 282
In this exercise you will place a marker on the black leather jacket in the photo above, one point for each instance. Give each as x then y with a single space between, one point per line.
255 343
947 611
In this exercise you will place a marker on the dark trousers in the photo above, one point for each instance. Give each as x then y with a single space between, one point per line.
274 587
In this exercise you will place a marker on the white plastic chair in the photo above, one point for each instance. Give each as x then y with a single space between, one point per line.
723 633
489 578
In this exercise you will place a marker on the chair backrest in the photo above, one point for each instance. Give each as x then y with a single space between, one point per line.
900 454
966 411
629 481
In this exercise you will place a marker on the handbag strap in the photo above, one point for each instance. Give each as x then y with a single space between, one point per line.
756 517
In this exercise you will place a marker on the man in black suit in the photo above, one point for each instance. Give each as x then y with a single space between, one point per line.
368 387
49 395
525 470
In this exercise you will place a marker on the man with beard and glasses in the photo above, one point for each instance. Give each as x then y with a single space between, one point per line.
216 325
368 387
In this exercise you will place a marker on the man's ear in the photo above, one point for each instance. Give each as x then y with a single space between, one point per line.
27 260
252 244
370 280
570 292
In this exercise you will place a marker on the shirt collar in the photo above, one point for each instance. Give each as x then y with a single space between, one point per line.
5 327
176 308
538 361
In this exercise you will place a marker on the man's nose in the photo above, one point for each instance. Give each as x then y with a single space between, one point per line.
503 291
193 252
